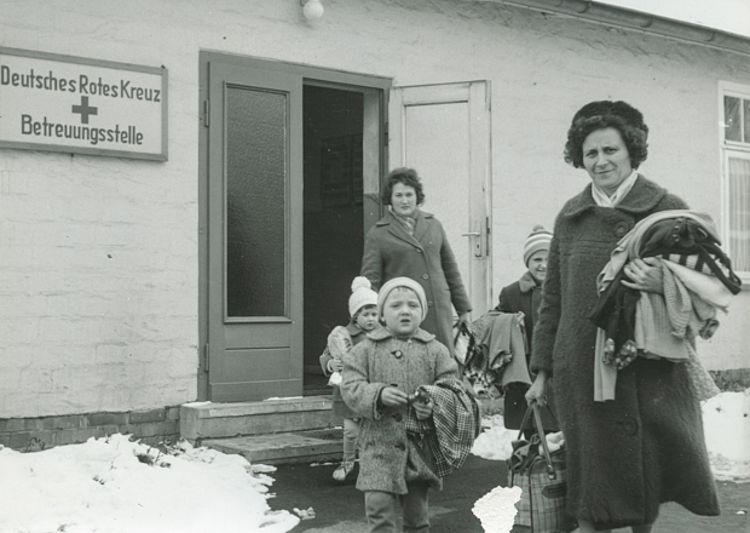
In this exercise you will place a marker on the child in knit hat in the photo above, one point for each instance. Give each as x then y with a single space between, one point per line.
525 295
404 385
364 318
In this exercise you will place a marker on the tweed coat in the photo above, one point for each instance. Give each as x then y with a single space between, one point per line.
425 257
388 459
646 446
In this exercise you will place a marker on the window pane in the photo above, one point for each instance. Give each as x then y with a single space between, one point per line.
739 213
255 179
746 119
732 118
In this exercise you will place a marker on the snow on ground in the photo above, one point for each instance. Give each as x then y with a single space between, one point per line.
726 424
113 485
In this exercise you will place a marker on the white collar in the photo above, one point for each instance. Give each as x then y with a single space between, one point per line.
603 200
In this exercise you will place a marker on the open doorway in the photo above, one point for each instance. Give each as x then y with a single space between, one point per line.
333 124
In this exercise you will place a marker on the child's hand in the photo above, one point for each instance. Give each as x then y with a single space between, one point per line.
335 365
423 410
393 397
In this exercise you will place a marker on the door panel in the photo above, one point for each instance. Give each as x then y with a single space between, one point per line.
254 225
443 131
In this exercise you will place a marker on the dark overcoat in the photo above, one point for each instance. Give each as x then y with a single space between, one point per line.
425 257
388 459
646 446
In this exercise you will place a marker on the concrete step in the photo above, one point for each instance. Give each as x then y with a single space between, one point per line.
210 420
301 446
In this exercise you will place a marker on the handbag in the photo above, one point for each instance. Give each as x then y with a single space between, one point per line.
541 478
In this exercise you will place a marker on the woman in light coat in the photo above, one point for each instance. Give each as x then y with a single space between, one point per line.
409 242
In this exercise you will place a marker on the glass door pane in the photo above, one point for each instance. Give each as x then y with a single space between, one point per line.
255 152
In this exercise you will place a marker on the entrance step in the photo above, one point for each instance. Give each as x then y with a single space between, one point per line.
277 448
209 420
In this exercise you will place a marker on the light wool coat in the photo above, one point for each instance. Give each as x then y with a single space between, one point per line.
425 257
646 446
388 458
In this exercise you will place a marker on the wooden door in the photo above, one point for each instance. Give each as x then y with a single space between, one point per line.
443 131
253 346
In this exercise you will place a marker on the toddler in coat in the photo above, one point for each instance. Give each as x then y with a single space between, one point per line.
404 384
364 317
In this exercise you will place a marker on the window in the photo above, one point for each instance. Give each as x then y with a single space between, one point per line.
735 147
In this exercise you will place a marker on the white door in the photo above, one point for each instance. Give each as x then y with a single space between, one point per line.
443 131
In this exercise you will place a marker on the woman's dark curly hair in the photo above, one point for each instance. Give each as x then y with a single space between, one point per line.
406 176
607 114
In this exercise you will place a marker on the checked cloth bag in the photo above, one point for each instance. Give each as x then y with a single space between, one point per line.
541 478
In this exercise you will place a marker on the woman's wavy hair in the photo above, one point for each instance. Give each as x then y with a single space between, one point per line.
607 114
406 176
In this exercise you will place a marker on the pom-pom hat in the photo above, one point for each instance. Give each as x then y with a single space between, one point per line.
538 239
362 295
402 281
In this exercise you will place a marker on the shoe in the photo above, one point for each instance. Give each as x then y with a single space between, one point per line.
343 471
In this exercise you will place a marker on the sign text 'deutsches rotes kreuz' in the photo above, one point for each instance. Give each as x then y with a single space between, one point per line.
71 104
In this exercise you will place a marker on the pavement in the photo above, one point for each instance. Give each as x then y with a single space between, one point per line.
339 507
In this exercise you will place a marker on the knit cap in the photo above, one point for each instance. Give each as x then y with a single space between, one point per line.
362 295
402 281
538 239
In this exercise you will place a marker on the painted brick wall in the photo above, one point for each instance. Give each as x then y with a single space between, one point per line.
98 256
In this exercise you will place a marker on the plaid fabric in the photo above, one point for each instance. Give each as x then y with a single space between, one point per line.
456 420
542 503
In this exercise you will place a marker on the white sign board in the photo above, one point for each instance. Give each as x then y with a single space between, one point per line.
72 104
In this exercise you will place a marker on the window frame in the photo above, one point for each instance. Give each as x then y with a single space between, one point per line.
729 149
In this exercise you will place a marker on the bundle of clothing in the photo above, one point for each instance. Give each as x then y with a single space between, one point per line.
698 281
498 354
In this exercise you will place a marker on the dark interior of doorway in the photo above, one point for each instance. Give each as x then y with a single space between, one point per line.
333 216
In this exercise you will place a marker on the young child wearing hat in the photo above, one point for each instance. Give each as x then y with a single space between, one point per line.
525 295
396 380
364 318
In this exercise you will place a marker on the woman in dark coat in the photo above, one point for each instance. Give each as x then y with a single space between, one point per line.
628 455
409 242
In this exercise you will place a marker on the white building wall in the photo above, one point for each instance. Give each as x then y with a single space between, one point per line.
99 255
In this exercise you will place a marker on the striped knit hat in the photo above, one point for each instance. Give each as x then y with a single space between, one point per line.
538 239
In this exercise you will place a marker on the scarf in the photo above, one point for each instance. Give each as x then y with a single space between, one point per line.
603 200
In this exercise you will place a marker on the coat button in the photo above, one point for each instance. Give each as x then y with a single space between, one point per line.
425 276
621 229
419 250
400 446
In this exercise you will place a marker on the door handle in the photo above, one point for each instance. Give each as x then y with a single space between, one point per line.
471 234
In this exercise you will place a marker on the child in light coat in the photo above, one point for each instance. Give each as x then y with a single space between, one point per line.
418 424
364 318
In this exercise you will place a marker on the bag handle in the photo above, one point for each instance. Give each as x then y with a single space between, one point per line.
534 408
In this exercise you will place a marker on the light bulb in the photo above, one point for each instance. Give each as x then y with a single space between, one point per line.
313 9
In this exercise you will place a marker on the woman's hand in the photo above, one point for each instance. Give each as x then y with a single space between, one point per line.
646 275
463 318
537 393
393 397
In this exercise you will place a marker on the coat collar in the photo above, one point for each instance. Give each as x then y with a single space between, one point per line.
397 228
642 198
527 282
382 333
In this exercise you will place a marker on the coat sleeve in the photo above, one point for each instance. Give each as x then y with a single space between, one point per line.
502 302
358 393
325 357
545 330
459 298
372 260
446 366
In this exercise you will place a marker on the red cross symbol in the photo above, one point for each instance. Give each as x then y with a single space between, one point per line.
85 110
